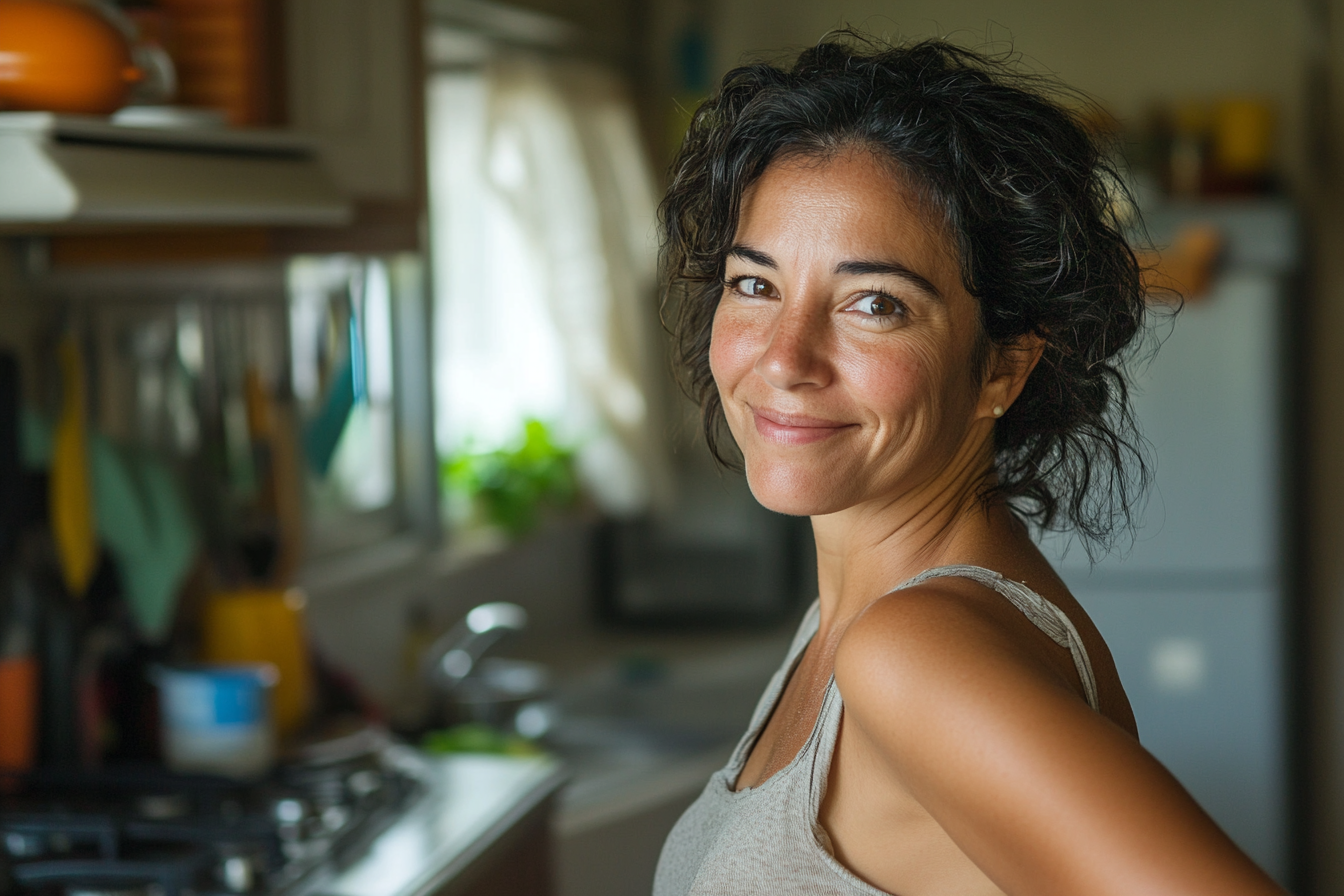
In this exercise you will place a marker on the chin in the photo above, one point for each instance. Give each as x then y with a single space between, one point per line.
788 491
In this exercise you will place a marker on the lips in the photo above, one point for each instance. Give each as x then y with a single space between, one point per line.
794 429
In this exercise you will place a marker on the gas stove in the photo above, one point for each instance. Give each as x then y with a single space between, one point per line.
144 832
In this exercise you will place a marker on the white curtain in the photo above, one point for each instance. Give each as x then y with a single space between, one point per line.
542 209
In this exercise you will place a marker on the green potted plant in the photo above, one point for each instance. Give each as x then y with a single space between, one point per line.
511 488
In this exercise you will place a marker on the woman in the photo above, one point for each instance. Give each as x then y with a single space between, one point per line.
902 285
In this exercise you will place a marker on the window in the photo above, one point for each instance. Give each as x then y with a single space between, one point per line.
542 209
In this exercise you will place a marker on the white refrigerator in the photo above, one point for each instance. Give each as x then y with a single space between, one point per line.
1199 613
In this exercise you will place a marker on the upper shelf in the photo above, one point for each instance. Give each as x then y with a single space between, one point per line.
82 169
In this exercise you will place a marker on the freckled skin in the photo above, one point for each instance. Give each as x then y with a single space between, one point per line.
967 761
905 392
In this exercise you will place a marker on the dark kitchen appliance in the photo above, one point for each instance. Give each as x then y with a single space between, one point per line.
144 832
757 572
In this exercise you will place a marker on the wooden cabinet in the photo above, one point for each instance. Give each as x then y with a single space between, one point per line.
352 79
520 863
356 82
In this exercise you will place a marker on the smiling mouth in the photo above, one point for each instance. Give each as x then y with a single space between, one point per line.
794 429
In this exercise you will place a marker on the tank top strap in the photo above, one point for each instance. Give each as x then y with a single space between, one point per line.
1042 613
807 628
821 748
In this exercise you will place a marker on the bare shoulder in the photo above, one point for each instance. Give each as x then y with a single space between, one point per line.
971 716
944 640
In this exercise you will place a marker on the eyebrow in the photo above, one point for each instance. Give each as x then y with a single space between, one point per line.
894 269
848 268
755 256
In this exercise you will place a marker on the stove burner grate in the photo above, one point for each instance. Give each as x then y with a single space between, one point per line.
154 834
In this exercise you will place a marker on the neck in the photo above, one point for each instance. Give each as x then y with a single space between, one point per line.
865 551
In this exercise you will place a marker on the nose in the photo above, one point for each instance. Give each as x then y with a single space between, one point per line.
795 356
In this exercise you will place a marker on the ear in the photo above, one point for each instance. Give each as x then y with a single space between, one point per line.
1009 368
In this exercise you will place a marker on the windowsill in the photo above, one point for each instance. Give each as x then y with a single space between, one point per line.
393 559
333 573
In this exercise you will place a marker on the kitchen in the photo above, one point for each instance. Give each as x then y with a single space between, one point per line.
203 287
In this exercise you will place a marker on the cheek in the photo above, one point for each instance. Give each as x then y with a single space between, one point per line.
732 349
887 378
910 388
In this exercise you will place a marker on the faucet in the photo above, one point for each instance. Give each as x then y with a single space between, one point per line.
451 658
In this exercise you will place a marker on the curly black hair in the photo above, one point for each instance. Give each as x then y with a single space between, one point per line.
1030 197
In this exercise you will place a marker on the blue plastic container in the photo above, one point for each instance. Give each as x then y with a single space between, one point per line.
217 719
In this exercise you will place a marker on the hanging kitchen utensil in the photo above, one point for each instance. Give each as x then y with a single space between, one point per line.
144 522
71 495
18 612
345 389
280 492
323 432
59 705
18 678
11 470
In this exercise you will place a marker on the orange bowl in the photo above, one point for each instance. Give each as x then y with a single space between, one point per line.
62 56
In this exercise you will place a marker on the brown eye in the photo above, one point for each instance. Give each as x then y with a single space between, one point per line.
753 286
881 306
878 305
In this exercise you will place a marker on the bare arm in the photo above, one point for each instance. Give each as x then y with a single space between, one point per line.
1044 795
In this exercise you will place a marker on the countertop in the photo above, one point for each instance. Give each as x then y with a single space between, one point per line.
630 748
470 802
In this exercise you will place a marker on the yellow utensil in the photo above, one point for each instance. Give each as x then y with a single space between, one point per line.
71 496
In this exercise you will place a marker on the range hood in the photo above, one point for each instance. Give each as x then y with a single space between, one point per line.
83 169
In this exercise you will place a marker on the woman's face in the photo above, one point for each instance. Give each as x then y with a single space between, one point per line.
844 340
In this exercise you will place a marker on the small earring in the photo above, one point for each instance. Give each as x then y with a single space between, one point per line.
998 410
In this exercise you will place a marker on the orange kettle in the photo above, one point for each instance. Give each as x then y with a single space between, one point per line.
63 56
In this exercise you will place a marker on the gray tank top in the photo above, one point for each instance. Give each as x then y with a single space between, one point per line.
767 839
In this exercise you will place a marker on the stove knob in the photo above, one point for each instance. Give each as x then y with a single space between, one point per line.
290 811
364 782
237 874
335 817
23 846
291 816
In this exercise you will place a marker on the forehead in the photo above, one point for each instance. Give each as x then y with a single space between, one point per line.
851 203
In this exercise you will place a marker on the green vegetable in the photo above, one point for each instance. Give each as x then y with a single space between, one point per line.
478 737
510 487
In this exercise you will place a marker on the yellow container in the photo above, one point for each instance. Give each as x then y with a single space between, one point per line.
1243 136
264 625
